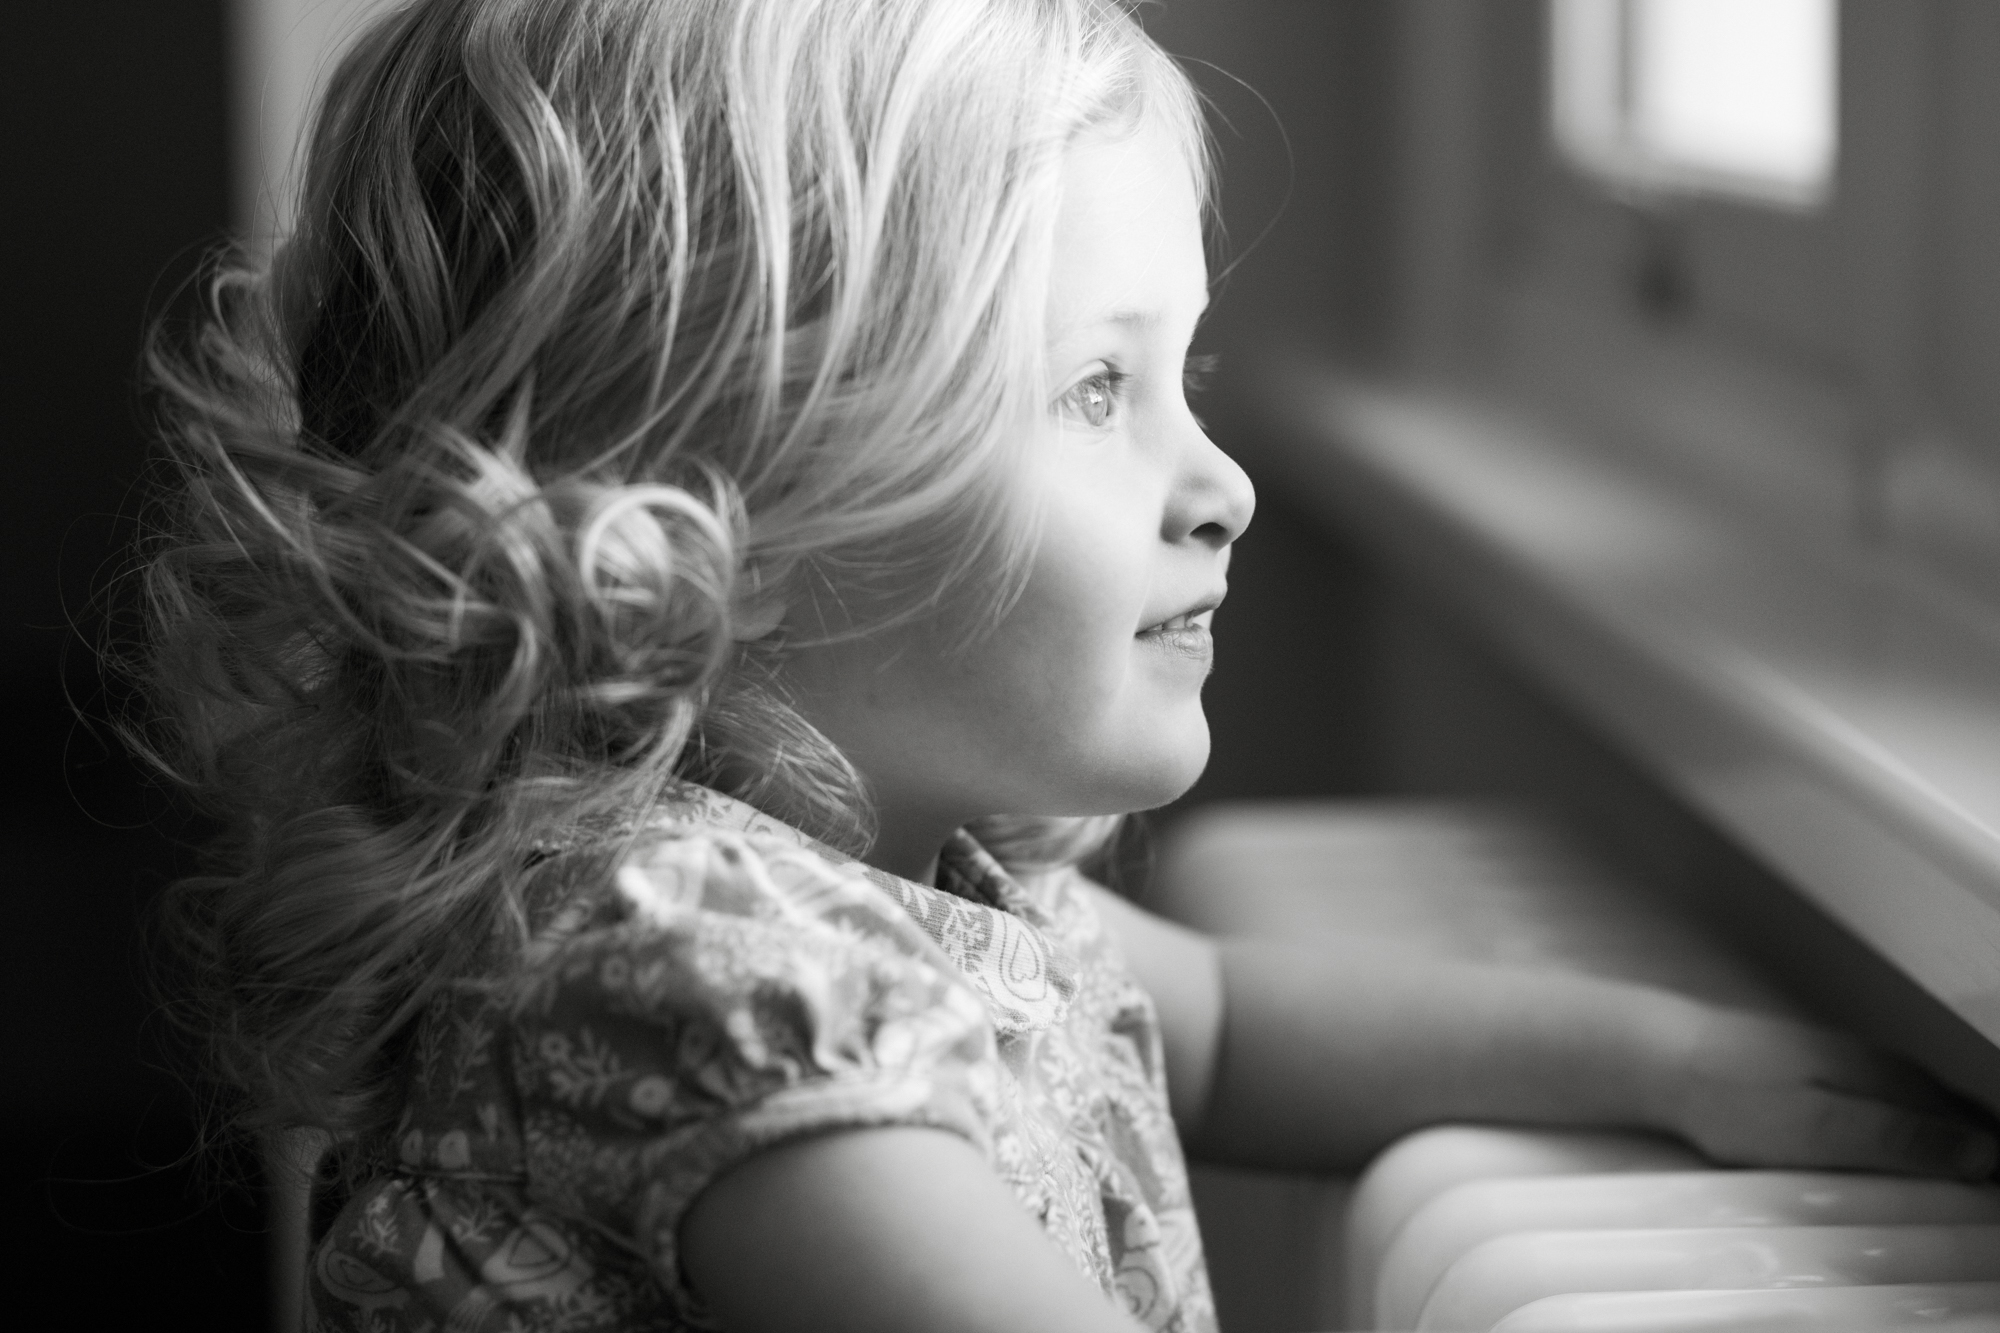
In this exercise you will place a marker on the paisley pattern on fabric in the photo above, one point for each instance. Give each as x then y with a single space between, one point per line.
734 986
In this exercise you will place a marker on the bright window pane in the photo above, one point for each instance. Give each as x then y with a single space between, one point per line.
1736 86
1720 96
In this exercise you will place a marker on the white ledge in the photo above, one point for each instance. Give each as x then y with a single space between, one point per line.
1829 708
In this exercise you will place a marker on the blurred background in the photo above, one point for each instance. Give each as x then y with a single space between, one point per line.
1414 190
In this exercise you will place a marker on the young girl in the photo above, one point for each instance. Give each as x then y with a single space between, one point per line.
694 537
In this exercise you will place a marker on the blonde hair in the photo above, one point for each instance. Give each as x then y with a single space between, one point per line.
607 331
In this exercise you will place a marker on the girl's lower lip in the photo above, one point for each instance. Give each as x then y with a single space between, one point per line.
1191 641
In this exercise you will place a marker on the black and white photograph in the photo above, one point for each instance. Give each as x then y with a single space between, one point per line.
1003 666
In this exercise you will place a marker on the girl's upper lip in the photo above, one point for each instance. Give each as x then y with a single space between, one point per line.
1202 607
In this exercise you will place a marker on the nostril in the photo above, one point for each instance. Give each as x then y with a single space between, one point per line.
1213 534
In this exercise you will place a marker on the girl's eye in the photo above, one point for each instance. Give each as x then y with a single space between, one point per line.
1092 399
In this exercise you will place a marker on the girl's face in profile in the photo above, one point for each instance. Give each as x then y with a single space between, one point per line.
1086 698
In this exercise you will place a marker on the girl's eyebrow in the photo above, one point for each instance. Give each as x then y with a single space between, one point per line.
1130 317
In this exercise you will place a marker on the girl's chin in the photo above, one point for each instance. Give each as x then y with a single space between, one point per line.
1168 777
1140 767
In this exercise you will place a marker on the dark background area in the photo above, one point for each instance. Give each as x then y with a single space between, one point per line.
116 178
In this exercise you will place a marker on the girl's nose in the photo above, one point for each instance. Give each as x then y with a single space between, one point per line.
1212 498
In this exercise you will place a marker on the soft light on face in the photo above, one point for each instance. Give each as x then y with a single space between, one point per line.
1086 698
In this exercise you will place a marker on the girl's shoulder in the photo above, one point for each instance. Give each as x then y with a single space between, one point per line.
710 902
717 990
714 886
696 852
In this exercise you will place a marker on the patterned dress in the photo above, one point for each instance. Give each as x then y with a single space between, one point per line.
737 985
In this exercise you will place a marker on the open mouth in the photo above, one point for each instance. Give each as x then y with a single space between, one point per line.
1187 633
1196 617
1186 620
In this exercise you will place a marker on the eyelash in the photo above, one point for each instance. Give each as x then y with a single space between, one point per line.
1111 382
1196 372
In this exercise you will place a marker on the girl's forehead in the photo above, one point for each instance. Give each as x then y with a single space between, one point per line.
1128 245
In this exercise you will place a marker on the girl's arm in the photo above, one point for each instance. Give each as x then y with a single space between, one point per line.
895 1230
1279 1055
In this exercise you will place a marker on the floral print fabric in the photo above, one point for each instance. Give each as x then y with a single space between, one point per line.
735 986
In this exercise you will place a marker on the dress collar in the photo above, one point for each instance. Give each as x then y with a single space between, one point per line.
991 928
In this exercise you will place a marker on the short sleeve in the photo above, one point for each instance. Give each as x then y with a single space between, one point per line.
740 992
